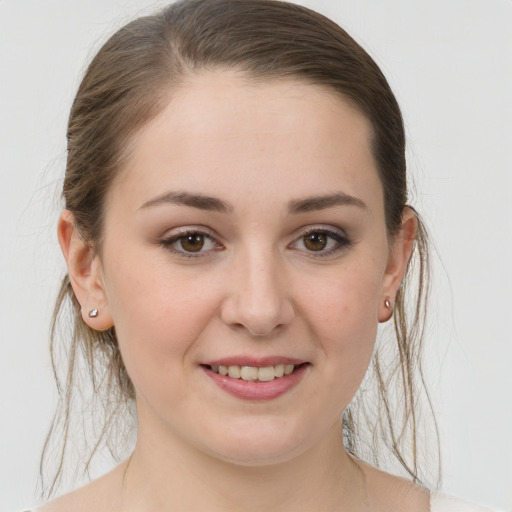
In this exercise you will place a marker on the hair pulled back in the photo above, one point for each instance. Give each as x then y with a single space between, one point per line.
127 84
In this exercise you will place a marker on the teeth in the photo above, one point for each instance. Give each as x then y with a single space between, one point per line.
279 370
249 373
266 373
288 368
234 372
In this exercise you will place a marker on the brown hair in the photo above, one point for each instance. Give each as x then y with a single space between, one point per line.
126 85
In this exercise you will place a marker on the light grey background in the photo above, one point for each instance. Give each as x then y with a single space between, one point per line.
450 65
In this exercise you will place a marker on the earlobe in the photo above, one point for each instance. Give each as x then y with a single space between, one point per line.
400 255
385 310
85 275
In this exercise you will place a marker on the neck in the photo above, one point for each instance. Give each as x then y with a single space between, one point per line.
166 475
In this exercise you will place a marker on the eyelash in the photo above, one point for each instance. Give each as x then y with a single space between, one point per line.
341 242
168 243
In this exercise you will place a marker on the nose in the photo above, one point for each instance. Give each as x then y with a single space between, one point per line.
259 298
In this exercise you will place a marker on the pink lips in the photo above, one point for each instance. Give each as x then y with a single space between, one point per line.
256 390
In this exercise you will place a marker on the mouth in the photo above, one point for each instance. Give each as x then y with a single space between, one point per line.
257 380
255 373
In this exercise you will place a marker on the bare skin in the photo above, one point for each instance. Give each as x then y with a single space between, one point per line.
269 271
383 493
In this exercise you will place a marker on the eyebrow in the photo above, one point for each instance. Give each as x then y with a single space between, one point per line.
213 204
199 201
309 204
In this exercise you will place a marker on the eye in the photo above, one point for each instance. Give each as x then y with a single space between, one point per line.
323 242
315 241
191 243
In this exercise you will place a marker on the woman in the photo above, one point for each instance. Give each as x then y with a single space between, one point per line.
236 227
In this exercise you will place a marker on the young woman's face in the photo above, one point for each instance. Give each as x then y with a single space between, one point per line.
247 230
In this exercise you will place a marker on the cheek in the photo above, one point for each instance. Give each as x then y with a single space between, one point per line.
348 300
157 317
344 318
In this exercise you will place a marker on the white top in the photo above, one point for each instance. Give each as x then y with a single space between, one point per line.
442 503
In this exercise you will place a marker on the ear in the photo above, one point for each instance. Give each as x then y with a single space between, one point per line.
400 253
85 275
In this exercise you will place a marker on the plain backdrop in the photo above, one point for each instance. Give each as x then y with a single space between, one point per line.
450 65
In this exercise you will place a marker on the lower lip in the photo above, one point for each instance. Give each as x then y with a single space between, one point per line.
256 390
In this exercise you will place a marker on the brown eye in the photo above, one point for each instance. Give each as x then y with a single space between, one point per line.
321 242
192 243
315 241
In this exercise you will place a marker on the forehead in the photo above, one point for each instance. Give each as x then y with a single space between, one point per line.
224 134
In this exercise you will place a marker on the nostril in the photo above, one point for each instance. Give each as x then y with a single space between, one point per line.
257 302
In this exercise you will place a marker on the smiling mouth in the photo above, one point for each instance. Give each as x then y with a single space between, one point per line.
255 373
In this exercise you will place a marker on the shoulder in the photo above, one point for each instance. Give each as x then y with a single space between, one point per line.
101 494
390 493
442 503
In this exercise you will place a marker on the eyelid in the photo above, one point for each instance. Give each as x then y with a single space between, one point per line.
321 228
173 236
337 234
191 229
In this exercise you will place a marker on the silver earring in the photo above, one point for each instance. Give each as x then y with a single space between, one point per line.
387 303
93 313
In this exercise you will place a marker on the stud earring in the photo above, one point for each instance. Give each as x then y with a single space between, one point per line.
387 303
93 313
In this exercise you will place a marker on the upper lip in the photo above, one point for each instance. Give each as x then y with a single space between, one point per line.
254 361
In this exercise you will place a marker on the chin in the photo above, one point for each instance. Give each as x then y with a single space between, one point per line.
256 458
259 446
